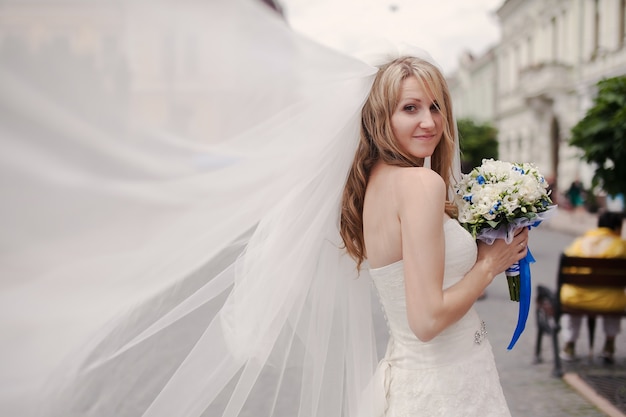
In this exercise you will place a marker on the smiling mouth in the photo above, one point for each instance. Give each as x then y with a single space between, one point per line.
424 137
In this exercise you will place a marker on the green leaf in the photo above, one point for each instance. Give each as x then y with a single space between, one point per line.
478 141
601 135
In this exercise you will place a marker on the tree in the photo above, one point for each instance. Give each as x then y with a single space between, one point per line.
478 141
601 135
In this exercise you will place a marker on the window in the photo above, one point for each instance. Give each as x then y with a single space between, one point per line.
596 28
555 39
621 24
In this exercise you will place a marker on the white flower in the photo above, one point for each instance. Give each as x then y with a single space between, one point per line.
500 192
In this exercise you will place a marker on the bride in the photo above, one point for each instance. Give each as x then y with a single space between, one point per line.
173 177
425 266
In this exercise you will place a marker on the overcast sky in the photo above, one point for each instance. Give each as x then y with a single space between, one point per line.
444 28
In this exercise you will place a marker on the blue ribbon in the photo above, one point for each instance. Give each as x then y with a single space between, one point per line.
524 302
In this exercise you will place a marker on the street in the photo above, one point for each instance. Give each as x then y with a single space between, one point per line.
529 388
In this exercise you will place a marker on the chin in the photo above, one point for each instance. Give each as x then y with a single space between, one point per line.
422 154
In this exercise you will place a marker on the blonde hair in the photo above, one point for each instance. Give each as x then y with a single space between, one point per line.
377 142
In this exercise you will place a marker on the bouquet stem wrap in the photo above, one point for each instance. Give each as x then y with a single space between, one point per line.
520 288
513 279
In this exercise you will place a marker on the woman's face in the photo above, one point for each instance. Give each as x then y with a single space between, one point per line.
416 122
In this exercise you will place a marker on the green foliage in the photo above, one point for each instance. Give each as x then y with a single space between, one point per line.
601 135
478 141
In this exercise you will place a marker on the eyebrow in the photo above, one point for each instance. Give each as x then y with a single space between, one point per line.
405 99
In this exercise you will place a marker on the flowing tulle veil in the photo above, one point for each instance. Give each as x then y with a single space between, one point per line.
171 177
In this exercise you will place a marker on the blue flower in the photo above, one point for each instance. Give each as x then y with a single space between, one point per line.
480 179
495 207
468 198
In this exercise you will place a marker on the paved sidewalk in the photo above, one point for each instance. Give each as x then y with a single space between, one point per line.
571 222
575 223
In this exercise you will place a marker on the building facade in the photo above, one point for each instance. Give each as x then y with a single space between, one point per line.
541 78
156 71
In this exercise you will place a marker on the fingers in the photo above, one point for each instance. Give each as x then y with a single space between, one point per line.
521 231
520 242
521 236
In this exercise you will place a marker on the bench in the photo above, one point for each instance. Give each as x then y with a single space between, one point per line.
596 272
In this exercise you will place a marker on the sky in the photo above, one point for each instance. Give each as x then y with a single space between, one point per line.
444 28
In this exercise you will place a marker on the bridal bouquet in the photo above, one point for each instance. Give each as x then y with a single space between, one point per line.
494 200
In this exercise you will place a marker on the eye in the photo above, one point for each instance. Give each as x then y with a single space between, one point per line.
410 108
435 107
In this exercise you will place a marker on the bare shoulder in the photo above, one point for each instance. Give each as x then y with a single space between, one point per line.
419 192
419 178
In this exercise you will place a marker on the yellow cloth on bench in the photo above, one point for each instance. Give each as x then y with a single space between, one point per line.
597 243
593 298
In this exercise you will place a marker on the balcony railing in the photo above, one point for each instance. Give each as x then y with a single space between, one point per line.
545 79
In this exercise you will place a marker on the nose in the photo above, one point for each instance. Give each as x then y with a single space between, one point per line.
426 120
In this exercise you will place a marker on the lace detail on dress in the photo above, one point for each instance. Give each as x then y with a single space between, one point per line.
466 389
453 374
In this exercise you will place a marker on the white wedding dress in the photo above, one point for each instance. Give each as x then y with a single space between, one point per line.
173 174
454 374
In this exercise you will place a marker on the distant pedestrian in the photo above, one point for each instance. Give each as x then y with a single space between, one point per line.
576 194
601 242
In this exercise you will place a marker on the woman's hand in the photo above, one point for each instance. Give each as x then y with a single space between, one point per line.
500 255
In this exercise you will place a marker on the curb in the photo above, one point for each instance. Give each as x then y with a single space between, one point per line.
591 395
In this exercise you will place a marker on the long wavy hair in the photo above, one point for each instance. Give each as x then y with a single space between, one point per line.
377 142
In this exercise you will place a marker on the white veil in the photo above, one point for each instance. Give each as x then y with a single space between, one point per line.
171 176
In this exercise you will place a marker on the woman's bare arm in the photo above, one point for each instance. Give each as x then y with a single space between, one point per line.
421 200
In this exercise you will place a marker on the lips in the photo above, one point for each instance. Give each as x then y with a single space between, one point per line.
424 137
